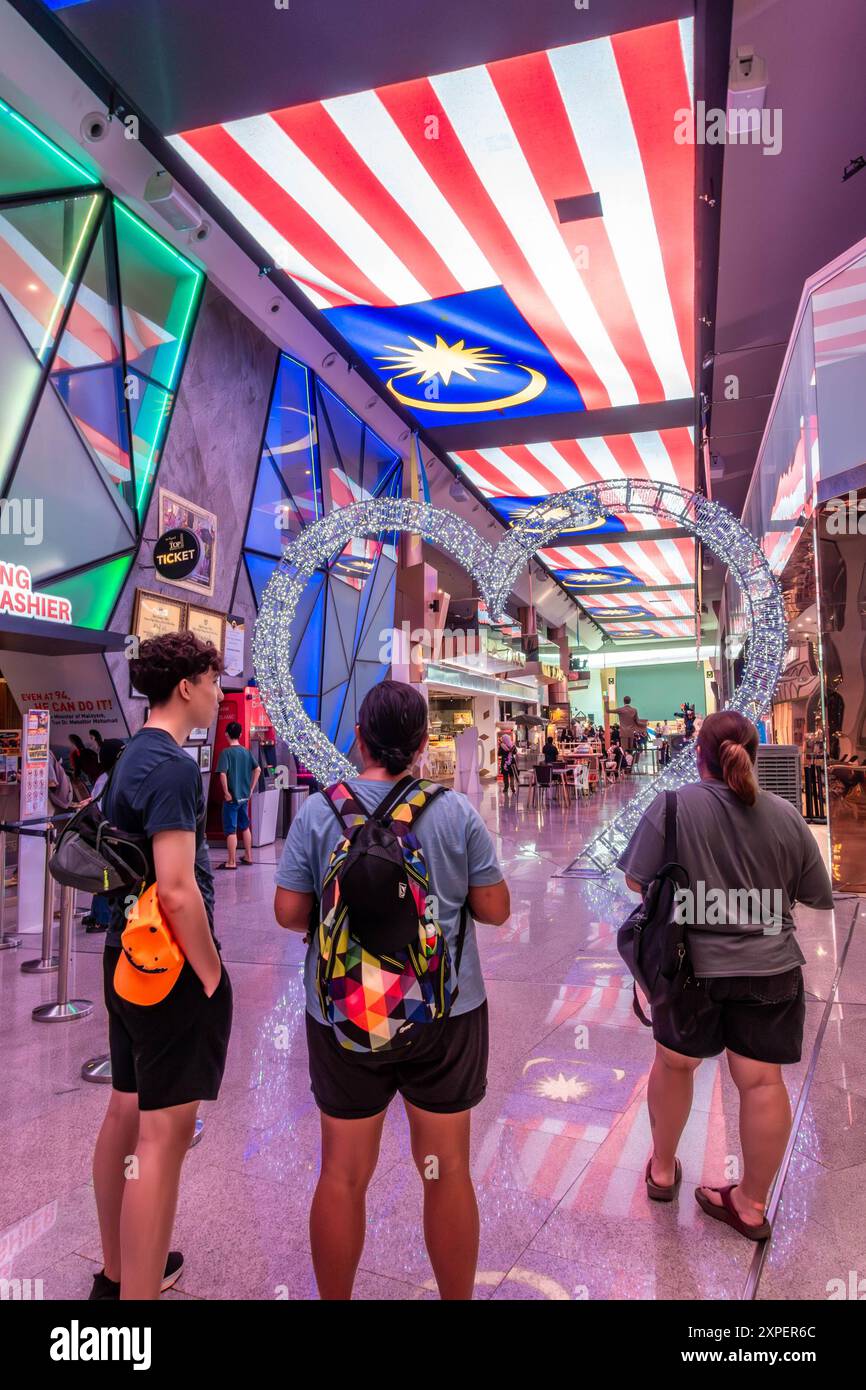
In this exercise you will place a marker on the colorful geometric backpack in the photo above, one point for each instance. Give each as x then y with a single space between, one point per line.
384 965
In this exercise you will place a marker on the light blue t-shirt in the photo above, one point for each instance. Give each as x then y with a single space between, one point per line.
459 854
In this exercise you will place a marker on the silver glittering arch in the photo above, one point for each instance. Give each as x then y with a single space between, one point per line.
316 546
720 531
495 571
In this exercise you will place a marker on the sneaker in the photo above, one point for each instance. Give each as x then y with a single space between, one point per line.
105 1288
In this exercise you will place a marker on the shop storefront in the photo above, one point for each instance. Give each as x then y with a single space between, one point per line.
807 502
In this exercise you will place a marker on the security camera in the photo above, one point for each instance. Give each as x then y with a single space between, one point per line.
94 127
200 233
275 304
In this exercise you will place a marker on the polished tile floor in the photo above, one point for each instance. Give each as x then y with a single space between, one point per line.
559 1143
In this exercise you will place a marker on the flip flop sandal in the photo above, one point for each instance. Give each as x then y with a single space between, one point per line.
657 1193
728 1214
230 867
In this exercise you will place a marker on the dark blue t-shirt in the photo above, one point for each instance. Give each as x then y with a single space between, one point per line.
155 787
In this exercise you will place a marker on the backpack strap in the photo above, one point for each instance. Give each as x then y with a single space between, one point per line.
346 807
411 801
461 937
670 850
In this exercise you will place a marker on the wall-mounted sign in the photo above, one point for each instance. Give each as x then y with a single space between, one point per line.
176 554
77 691
177 513
17 597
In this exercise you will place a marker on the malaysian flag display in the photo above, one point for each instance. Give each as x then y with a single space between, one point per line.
510 240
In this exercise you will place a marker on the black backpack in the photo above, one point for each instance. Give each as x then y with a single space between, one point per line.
93 855
651 942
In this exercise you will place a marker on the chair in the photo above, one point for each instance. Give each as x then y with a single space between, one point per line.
580 781
542 783
525 778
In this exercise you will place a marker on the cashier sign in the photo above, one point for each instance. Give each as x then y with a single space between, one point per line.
17 597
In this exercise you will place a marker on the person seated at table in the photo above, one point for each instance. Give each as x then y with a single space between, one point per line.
550 751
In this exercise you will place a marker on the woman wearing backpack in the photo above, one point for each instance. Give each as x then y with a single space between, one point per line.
746 992
357 1054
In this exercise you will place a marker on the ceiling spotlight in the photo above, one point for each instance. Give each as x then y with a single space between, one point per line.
329 359
708 360
458 492
404 436
370 402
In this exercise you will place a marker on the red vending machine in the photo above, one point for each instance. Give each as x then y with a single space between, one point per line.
257 733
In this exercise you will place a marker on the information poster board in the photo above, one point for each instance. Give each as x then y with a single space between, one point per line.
33 806
10 754
234 646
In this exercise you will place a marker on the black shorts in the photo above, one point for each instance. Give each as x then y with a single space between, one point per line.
444 1069
756 1016
172 1052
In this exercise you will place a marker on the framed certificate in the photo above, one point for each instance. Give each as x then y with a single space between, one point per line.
204 757
206 625
153 616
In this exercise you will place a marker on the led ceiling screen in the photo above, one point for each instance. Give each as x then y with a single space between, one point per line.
625 554
96 313
511 239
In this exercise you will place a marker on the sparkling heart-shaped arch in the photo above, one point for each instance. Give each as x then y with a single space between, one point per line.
495 571
316 546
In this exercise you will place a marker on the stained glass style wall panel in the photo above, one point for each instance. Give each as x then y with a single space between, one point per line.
96 315
317 454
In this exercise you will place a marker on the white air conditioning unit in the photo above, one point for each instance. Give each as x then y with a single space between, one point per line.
779 768
747 91
171 202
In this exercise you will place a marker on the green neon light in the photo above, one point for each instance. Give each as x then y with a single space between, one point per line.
60 300
94 592
194 282
161 241
49 144
181 337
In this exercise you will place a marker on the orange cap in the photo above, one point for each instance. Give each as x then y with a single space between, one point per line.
151 959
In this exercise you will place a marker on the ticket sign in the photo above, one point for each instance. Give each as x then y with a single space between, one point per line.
177 553
18 598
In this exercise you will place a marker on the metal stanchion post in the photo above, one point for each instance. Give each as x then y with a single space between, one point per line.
46 962
64 1007
98 1070
7 943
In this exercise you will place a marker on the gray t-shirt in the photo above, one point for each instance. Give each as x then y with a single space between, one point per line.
459 854
723 844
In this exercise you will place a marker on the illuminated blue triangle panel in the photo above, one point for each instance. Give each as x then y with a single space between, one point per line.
313 461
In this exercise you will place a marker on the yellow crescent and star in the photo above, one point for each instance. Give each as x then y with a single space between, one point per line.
426 361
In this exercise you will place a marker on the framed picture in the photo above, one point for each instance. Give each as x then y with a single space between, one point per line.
178 511
204 757
153 615
198 735
191 751
206 625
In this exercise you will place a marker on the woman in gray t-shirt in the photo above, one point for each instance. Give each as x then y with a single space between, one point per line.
749 857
